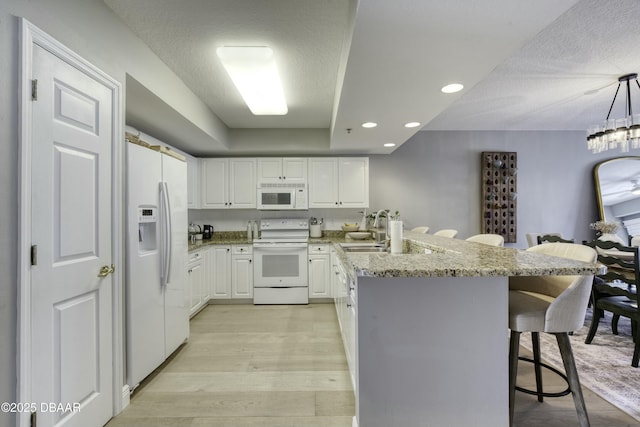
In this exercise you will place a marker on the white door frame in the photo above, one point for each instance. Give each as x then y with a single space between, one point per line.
30 35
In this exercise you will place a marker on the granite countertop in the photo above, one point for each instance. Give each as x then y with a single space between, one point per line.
448 257
222 238
459 258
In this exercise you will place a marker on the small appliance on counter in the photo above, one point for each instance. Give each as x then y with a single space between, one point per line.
207 231
195 232
315 227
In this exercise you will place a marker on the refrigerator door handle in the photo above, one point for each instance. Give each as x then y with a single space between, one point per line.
167 241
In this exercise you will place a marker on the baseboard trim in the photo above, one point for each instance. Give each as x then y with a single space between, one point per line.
126 396
230 301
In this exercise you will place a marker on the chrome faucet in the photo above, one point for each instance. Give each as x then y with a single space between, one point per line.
376 224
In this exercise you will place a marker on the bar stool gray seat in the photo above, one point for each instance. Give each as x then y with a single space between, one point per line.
554 305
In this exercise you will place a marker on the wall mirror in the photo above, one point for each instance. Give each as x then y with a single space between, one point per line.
617 183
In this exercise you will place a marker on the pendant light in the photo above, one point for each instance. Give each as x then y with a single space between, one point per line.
622 132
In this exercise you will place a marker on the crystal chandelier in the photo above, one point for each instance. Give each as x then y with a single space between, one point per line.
623 132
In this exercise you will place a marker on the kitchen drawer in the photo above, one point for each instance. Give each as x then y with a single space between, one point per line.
195 256
319 249
241 249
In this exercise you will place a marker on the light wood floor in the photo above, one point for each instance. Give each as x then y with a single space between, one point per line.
284 366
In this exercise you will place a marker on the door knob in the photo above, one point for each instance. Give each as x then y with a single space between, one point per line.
105 270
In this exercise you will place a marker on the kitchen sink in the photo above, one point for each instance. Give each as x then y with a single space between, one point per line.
363 247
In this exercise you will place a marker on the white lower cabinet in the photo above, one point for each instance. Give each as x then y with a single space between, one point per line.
231 268
197 281
220 271
346 302
319 271
242 271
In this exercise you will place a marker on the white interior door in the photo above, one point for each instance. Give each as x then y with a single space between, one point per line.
71 307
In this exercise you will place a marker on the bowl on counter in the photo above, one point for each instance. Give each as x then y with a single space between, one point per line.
350 227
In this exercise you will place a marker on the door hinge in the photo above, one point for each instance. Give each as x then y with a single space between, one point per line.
34 89
34 419
34 254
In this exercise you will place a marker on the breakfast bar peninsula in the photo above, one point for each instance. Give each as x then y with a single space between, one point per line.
431 330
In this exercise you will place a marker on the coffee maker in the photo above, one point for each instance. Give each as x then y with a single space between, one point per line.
207 231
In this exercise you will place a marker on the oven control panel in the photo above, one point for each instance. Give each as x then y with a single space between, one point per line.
284 224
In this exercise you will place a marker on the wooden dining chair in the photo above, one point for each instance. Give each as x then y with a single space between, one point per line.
552 238
616 291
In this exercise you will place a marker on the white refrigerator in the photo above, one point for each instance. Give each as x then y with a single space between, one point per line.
157 306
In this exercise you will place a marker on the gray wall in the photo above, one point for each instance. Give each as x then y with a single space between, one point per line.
434 180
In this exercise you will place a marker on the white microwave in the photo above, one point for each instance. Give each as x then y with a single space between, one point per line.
282 197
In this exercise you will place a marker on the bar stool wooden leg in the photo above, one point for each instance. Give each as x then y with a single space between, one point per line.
572 376
514 347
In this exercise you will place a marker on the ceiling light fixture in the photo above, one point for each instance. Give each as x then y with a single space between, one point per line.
369 125
412 124
389 144
254 72
622 132
452 88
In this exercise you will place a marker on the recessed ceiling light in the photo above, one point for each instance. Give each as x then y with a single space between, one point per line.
389 144
369 125
254 72
412 124
452 88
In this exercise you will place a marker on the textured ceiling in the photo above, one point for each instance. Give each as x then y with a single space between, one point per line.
306 37
562 79
526 65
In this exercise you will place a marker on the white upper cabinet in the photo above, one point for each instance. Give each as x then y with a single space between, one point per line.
339 182
323 182
193 182
353 180
291 170
228 183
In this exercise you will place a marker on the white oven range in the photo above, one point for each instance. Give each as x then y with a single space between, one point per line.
280 270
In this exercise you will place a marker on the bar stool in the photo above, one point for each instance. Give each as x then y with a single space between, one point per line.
555 305
421 229
447 232
487 239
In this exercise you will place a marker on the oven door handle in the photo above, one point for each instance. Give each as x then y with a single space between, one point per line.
279 246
